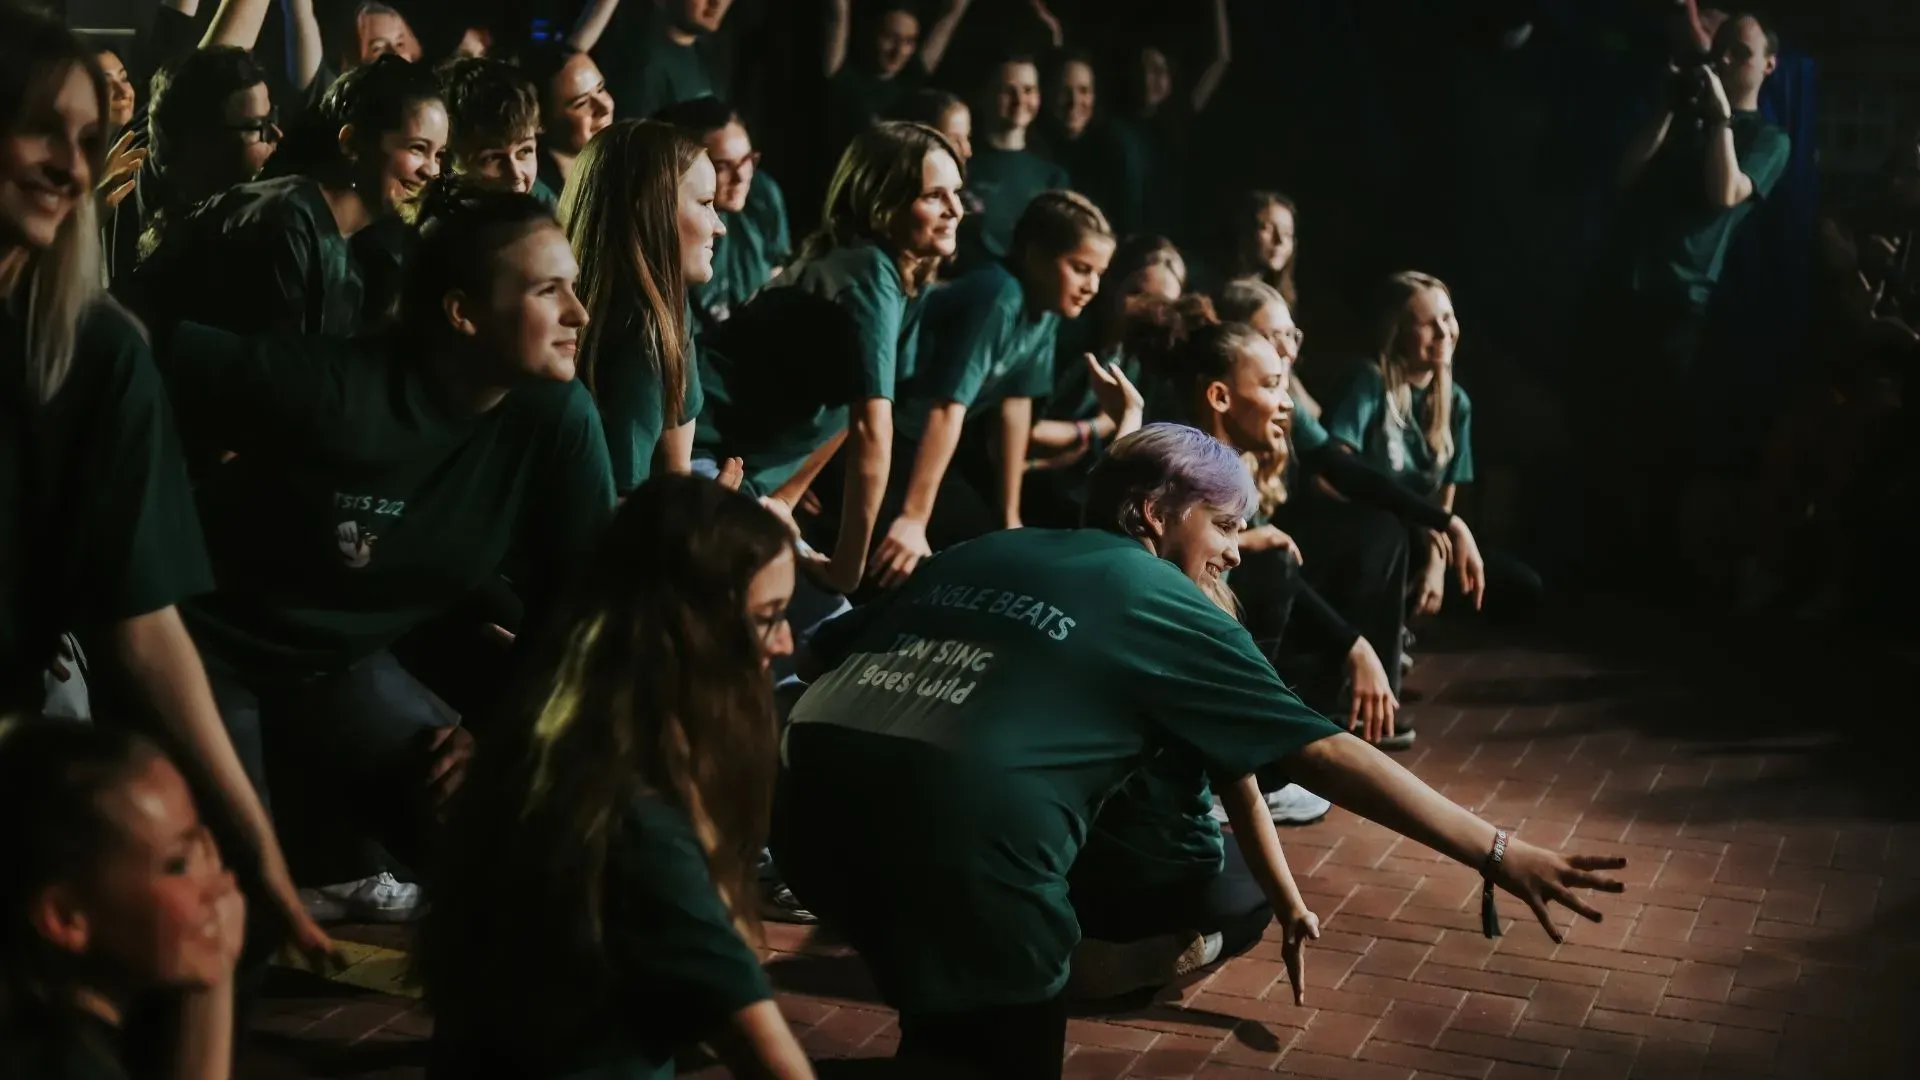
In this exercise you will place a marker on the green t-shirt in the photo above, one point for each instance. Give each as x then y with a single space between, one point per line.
780 374
1361 419
96 515
360 505
856 97
1685 239
630 395
1004 181
646 71
1308 433
259 258
992 705
981 345
757 243
548 196
1109 165
79 1047
1156 831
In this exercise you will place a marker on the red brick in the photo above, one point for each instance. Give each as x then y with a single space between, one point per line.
1405 990
1577 1038
1736 916
1491 982
1655 1028
1247 977
1335 1034
1108 1036
1666 923
1701 982
1393 959
1256 1044
1501 1049
1490 1014
1414 1024
1375 902
1174 1056
1596 1065
1547 970
1661 1060
1725 1015
1507 1070
1347 1002
1426 1060
1382 928
1323 1067
1614 960
1561 1003
1765 971
1215 1070
1627 991
1098 1065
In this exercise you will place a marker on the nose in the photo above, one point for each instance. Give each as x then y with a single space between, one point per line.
719 226
1231 556
950 207
1286 403
781 643
574 315
68 163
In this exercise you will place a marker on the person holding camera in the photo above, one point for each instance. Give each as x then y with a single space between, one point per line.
1694 174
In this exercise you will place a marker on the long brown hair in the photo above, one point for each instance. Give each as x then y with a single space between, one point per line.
877 180
1389 322
655 689
1252 205
621 211
36 54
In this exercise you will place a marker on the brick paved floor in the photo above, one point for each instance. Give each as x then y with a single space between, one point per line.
1759 788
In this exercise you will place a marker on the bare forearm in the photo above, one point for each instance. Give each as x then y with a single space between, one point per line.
1369 783
593 22
675 452
159 659
1260 844
1216 71
839 18
1016 423
796 486
757 1044
940 34
872 441
236 23
204 1050
1727 186
930 460
304 47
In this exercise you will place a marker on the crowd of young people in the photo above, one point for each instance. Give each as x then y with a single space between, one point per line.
478 364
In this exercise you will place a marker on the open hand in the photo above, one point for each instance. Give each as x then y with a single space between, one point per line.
733 473
1374 706
1540 877
905 545
122 170
304 934
1468 566
1119 399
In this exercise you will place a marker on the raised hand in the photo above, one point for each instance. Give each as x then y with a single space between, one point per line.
122 169
1119 399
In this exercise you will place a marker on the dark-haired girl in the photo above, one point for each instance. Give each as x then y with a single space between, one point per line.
999 698
1108 162
814 362
987 344
634 787
1004 174
1163 112
284 255
639 213
895 59
753 209
376 482
113 892
94 501
574 107
943 112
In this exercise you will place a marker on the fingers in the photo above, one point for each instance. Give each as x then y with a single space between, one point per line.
119 194
1099 369
733 473
1572 902
1597 862
1545 916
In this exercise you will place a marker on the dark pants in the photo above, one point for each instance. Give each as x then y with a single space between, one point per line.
1013 1042
1229 903
1515 591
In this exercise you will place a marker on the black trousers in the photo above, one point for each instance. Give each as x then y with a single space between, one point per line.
1356 557
1229 903
1515 590
1012 1042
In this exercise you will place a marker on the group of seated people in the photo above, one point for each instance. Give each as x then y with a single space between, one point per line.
433 504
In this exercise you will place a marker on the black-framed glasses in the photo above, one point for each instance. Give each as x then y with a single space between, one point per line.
265 128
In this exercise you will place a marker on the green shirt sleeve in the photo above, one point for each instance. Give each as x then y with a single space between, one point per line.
876 302
954 365
562 526
1308 433
779 236
148 552
1765 159
1202 681
695 398
275 272
1460 467
1356 411
1035 377
676 957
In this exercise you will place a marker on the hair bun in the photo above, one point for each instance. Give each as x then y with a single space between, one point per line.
1156 328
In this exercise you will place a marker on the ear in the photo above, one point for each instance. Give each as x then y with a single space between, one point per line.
347 138
1219 396
459 309
1772 62
1154 518
56 915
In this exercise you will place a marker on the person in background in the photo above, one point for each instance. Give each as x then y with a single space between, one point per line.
1405 413
574 107
113 893
639 212
753 210
318 55
636 787
987 344
97 505
493 126
1163 115
655 55
377 482
1076 135
943 112
276 255
122 101
994 703
895 61
1003 173
892 214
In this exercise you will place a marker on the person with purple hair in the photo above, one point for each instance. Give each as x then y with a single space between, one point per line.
994 703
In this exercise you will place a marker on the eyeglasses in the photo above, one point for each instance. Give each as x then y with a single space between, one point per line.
1287 339
266 128
737 169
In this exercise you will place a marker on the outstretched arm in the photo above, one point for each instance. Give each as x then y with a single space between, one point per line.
304 47
933 47
593 23
839 27
1216 69
236 23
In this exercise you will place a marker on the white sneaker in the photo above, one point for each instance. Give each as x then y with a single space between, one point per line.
1107 969
380 898
1295 805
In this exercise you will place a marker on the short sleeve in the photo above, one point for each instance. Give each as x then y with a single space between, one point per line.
1460 469
1355 413
1201 679
147 550
974 327
779 236
1308 433
876 304
677 960
1765 159
278 256
563 526
1036 371
695 398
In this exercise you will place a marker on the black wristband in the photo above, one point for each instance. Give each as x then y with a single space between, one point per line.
1489 914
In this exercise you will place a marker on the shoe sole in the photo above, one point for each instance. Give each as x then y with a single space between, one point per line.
1298 821
1101 970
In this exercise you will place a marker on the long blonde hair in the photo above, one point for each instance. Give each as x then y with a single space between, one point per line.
63 280
1390 320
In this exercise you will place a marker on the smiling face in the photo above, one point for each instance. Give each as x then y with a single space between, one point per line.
1252 406
410 156
512 167
531 319
1429 331
1156 77
699 224
895 39
1072 98
1273 238
379 33
579 105
46 160
768 595
1067 283
149 910
1016 95
251 136
734 161
931 225
120 95
1203 541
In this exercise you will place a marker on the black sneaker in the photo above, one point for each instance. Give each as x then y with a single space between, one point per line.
778 904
